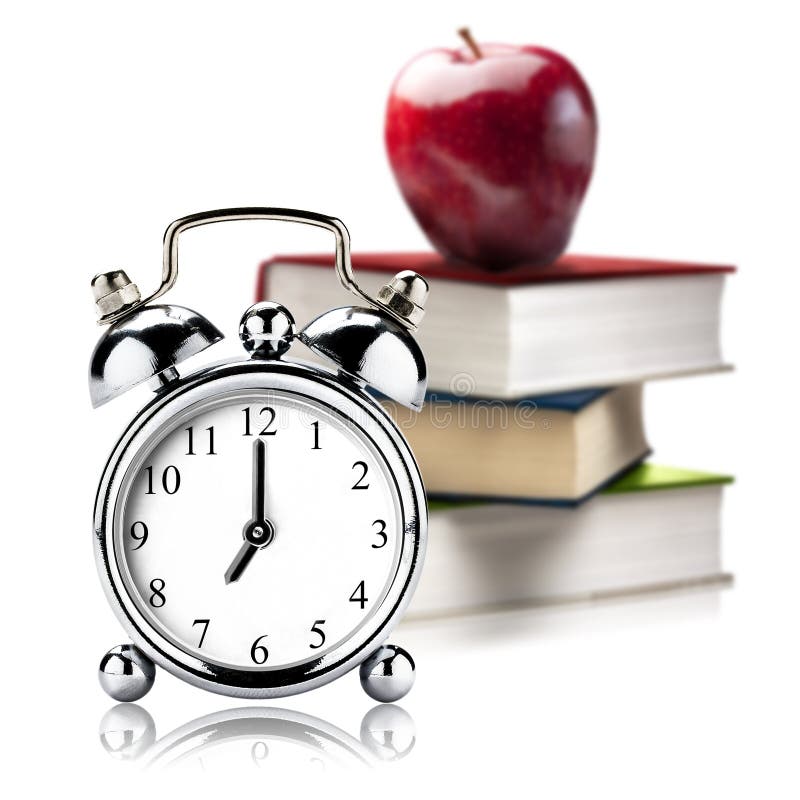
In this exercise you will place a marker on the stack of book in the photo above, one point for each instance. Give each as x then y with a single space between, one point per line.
532 441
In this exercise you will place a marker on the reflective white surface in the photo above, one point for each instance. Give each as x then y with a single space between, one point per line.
257 737
619 688
118 120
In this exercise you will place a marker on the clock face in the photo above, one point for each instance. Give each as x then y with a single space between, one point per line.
259 530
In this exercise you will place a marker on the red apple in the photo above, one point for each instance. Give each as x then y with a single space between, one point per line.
492 146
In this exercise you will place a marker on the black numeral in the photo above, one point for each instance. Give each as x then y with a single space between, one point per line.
211 451
315 426
316 629
358 595
204 623
258 652
142 537
170 480
157 599
265 431
359 484
382 533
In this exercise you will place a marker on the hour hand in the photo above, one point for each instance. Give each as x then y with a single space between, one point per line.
240 562
257 534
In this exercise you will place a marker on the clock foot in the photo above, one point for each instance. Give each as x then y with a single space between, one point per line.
126 673
388 674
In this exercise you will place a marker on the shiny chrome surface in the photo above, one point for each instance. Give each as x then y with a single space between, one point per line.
388 731
209 385
405 295
344 269
114 293
126 674
267 330
268 737
127 732
388 674
147 342
371 347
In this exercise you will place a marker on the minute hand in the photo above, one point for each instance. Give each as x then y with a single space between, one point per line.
259 531
259 480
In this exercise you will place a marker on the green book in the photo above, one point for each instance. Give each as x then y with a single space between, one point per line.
642 478
652 529
648 477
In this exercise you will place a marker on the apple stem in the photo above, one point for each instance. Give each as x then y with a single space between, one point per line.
466 35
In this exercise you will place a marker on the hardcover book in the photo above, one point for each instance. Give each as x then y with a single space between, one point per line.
655 528
554 448
581 322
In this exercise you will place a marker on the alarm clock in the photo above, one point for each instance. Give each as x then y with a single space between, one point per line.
260 526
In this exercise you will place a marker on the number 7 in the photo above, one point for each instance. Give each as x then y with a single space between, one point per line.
204 623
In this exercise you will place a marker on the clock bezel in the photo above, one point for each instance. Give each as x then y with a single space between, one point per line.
321 386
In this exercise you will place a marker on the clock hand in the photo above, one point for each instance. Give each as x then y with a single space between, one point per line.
259 480
259 531
240 562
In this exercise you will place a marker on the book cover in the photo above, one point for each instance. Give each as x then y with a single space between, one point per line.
653 529
570 267
645 477
557 448
581 322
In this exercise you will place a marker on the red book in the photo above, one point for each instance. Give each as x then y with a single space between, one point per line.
571 267
583 321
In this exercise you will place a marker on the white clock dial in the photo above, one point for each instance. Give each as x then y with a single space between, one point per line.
279 469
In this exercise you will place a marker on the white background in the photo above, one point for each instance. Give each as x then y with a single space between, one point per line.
119 118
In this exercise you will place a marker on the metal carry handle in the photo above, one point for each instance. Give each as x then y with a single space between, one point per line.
169 274
344 269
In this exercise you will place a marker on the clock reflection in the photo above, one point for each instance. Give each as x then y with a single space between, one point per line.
275 738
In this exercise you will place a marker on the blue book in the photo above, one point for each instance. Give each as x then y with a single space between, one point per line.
554 449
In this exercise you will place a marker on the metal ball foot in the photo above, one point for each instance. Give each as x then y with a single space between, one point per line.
126 673
388 674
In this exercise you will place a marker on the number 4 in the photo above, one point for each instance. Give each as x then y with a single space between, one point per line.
358 596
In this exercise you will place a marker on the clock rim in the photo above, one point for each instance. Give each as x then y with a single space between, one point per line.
320 385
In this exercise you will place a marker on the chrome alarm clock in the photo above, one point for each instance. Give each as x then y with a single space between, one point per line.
260 526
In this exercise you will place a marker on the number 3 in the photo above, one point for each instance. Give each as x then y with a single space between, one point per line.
381 533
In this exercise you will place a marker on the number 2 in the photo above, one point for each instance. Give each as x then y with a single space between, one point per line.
359 484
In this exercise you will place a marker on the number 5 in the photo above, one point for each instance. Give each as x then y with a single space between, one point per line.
316 629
